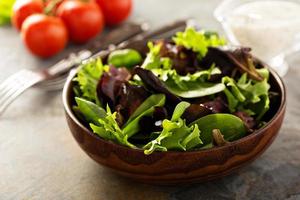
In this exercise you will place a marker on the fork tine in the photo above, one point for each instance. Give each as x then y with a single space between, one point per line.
11 80
24 79
17 80
14 92
16 85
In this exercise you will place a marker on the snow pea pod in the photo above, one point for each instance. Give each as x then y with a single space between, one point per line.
230 126
125 58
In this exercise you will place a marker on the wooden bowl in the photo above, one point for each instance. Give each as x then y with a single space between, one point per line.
178 167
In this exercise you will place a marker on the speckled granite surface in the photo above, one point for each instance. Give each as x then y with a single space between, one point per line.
40 160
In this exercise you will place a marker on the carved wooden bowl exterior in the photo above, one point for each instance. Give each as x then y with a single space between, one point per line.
177 167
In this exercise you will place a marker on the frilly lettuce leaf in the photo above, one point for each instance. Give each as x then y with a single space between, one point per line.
253 90
171 77
233 93
198 41
248 95
257 92
88 76
176 134
190 85
109 129
153 59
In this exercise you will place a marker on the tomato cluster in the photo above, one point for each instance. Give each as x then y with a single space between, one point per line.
47 25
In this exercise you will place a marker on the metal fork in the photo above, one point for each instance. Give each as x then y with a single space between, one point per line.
15 85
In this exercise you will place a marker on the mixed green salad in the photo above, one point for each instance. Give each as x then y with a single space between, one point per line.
187 93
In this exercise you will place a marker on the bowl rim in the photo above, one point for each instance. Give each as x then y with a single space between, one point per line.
70 113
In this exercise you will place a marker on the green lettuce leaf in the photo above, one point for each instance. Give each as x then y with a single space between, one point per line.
145 109
176 134
171 77
89 110
261 107
233 93
232 100
253 89
230 126
183 138
191 85
109 129
256 92
198 41
229 82
196 90
248 95
88 76
104 123
153 59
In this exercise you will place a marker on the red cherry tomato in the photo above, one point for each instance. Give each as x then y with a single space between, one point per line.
44 35
24 8
115 11
84 20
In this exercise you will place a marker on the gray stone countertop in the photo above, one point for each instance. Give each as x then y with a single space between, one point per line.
40 160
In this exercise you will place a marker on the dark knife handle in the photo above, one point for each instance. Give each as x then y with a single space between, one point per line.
118 35
114 37
166 31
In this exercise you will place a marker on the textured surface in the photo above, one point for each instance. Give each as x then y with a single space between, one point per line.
40 160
